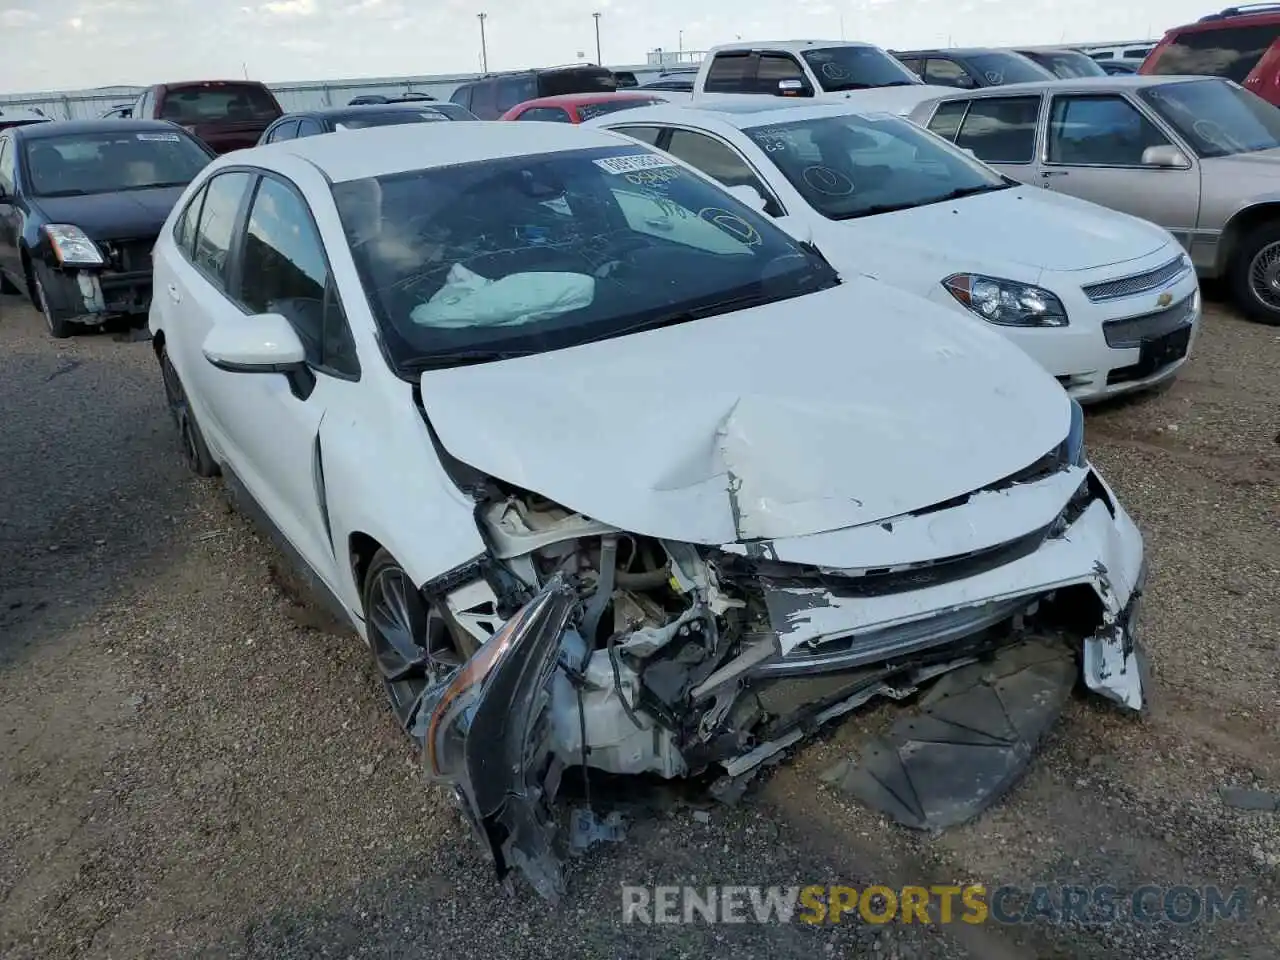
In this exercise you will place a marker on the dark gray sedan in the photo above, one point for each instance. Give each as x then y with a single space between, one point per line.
308 123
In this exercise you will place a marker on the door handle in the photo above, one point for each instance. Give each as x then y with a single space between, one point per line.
1053 173
174 295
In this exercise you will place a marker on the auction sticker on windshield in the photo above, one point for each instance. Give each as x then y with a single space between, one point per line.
162 137
630 164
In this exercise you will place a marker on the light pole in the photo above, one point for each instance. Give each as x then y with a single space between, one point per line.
484 52
599 60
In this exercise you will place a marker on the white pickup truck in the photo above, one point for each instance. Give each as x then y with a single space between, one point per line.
830 70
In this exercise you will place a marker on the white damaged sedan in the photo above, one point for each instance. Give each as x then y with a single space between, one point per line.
612 473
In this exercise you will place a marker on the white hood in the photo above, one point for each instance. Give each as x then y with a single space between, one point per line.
1027 226
844 407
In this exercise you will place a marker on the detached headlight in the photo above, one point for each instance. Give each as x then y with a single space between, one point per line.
72 247
1076 454
1006 302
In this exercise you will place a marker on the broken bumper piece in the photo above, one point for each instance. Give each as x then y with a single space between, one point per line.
746 661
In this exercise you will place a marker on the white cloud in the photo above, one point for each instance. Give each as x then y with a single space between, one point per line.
151 41
18 18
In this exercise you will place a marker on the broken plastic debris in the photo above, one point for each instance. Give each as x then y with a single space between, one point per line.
970 741
586 829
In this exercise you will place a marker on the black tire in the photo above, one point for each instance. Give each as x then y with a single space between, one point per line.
1254 274
58 327
413 648
194 450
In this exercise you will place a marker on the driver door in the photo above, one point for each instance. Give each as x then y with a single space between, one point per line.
1093 148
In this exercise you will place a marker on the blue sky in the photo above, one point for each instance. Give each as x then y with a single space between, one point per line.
69 45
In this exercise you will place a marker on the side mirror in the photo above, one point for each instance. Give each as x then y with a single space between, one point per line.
748 195
1166 156
794 88
265 343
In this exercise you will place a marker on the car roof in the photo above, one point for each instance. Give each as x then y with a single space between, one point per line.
952 52
582 99
363 110
763 112
61 128
380 151
1123 81
792 46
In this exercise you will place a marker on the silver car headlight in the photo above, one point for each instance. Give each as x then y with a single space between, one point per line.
1006 302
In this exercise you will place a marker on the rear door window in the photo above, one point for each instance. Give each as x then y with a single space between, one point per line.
730 73
484 102
1001 129
1230 52
946 119
946 73
223 199
647 135
513 90
462 96
286 131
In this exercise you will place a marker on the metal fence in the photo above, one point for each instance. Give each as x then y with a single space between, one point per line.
88 104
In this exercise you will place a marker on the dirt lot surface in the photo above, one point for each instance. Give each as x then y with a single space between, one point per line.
190 767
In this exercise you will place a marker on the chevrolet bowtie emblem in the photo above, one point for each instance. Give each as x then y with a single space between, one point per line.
1164 299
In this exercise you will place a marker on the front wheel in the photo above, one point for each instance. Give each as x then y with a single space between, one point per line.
413 647
1255 274
59 328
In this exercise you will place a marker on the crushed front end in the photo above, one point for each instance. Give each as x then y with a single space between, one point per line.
88 281
634 655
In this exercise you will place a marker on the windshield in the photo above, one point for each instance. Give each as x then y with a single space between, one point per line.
851 166
1001 68
390 118
229 101
589 111
857 68
1216 117
1067 64
79 164
488 259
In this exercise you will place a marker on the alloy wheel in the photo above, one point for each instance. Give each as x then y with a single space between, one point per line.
412 645
1264 276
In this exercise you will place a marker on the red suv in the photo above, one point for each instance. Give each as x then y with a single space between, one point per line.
226 114
1240 43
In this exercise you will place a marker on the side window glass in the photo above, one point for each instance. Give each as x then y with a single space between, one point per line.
545 115
913 64
6 165
308 127
647 135
483 102
283 268
775 67
728 73
1001 129
1100 131
946 73
222 199
462 96
513 90
946 119
718 161
184 231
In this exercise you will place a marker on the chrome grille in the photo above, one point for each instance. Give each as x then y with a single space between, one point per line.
1138 282
1132 331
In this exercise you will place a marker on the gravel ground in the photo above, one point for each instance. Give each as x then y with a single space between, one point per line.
193 764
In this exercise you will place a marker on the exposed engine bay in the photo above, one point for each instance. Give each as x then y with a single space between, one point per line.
635 655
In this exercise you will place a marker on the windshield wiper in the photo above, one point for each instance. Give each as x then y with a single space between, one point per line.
956 194
64 193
